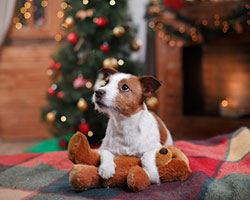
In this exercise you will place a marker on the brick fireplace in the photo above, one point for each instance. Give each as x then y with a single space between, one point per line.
206 88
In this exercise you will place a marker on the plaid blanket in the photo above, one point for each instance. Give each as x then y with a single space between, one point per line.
221 170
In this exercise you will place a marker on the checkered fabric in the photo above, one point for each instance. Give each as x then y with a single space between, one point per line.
220 165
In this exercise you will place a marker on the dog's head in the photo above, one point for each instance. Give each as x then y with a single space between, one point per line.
124 93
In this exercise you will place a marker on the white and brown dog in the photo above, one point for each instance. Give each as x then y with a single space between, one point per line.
132 130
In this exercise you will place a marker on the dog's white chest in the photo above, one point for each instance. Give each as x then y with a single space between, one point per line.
132 136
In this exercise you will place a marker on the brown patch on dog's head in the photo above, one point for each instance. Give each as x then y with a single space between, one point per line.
108 71
129 101
150 85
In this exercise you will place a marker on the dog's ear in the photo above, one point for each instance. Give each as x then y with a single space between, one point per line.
150 85
108 71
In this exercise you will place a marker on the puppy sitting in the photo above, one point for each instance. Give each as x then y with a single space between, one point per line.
132 130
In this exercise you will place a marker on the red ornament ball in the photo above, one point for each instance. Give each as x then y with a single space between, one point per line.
63 144
79 82
51 91
105 47
60 95
102 22
52 63
72 38
84 127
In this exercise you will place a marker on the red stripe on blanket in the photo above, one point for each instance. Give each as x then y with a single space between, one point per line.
15 159
58 160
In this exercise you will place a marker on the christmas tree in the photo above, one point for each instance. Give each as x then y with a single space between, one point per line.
99 34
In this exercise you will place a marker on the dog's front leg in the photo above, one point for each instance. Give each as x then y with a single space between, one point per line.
107 168
149 165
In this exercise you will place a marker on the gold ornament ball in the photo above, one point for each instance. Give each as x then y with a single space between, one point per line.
50 117
136 44
152 103
51 73
110 63
70 21
82 104
118 31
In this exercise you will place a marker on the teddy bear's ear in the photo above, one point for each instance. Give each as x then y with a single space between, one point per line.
108 71
150 85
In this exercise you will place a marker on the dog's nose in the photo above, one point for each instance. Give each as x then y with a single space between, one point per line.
163 151
99 93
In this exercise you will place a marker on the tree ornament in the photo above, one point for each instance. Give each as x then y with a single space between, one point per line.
60 95
105 47
118 31
110 63
52 63
70 21
72 38
84 127
50 117
152 103
82 104
102 22
51 73
51 91
79 82
136 44
63 144
175 4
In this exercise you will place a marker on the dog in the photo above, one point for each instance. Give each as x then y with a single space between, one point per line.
132 130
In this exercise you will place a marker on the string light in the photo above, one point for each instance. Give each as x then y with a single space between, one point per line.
204 22
248 22
60 14
23 10
64 5
90 133
216 22
172 43
18 25
179 43
167 38
27 5
85 2
58 37
120 62
15 20
88 85
159 26
63 118
44 4
27 15
161 34
112 2
182 30
247 6
224 103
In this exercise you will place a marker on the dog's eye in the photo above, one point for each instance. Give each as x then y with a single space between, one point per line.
125 87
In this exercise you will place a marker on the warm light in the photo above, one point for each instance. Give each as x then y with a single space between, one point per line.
64 25
85 2
18 25
172 43
216 23
193 30
167 38
159 26
88 85
248 22
27 15
216 16
63 119
27 5
58 37
224 103
44 4
161 34
90 133
60 14
64 5
15 20
247 6
179 43
23 10
204 22
182 30
94 19
112 2
225 29
195 38
120 62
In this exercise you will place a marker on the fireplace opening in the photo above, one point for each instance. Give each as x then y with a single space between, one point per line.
216 80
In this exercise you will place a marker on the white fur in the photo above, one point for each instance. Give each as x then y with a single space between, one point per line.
137 135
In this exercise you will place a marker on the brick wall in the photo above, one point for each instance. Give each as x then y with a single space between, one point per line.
22 90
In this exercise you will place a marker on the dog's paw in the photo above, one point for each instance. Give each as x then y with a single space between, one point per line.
153 176
106 171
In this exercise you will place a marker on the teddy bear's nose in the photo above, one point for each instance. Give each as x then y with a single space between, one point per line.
163 151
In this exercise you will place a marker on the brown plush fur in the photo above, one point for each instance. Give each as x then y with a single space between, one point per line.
171 162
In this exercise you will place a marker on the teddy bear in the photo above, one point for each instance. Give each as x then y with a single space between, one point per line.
171 162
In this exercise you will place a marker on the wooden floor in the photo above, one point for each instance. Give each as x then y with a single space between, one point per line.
15 147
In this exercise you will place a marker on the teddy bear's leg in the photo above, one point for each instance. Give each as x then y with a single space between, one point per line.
137 179
83 177
79 151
